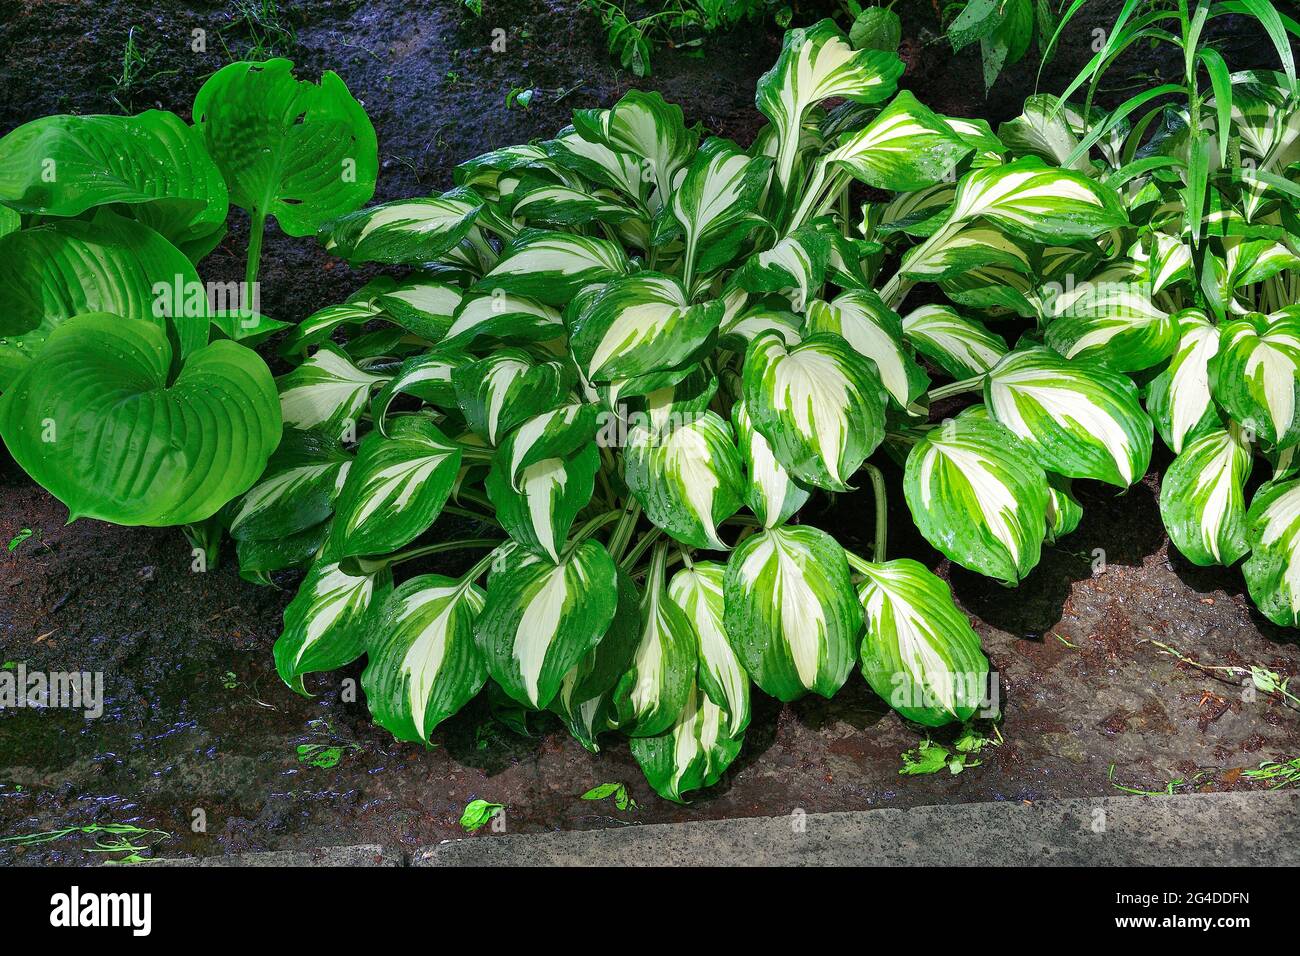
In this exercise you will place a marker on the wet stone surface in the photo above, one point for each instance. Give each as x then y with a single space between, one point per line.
195 717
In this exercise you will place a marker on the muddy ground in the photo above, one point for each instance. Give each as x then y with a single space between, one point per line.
198 727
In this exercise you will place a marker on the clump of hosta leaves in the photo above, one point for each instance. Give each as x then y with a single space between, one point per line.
632 360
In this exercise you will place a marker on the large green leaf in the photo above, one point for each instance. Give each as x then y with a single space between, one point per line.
1256 376
790 611
819 404
154 162
325 625
977 495
1179 398
406 231
920 653
693 753
423 663
1203 501
542 618
1273 569
698 590
302 152
686 476
99 420
395 489
1080 419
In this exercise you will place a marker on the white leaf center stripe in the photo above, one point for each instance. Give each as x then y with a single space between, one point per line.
544 484
803 620
1215 485
277 487
649 661
393 486
538 626
1189 389
995 500
1278 378
423 659
812 389
915 644
1279 520
334 595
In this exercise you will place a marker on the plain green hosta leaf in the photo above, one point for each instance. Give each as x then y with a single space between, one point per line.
1064 512
1273 569
906 147
920 653
503 318
558 433
1203 501
978 496
961 347
790 611
698 590
99 420
10 221
258 557
638 325
52 272
326 392
1112 319
1043 130
1079 419
817 63
795 267
297 490
876 28
427 377
153 162
715 202
1179 398
395 489
1256 376
551 267
874 330
248 328
645 126
542 618
819 404
507 388
686 476
302 152
325 624
651 694
1038 203
423 664
404 232
771 492
693 753
537 508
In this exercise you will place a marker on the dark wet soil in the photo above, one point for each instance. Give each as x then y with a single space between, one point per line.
197 728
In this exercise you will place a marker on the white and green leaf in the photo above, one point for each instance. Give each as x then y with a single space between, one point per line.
699 591
550 267
1179 398
875 331
326 392
325 624
1255 376
537 506
1202 498
693 753
961 347
771 492
1273 569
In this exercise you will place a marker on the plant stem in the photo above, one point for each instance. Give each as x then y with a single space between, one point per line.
623 530
256 229
956 388
640 548
436 548
882 517
590 528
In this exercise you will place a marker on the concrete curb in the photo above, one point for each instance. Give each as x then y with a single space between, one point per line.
1224 829
364 855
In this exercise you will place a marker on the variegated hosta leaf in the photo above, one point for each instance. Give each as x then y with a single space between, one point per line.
771 492
1179 398
423 664
876 331
557 433
422 306
1256 377
651 694
395 489
817 63
1252 261
794 267
427 377
483 172
1113 321
1080 419
998 289
320 325
956 250
961 347
596 161
502 317
325 624
506 389
555 204
551 267
852 263
920 653
715 202
538 506
1203 501
738 332
790 611
646 126
1043 130
819 404
906 147
1039 203
693 753
326 392
1167 260
638 325
1064 512
686 476
541 619
408 231
698 590
296 491
978 496
1273 569
917 213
